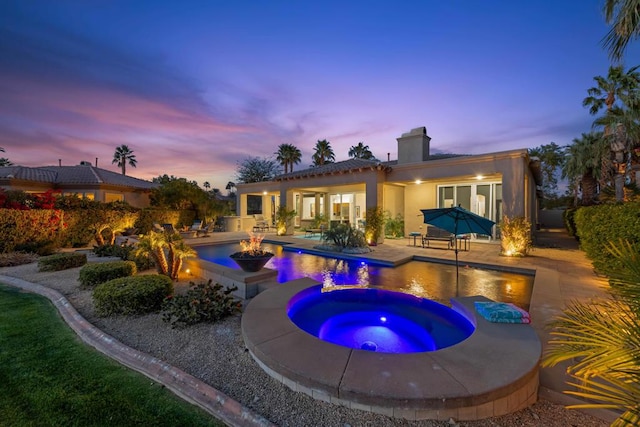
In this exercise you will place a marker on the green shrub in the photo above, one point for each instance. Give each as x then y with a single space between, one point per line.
516 236
598 225
148 216
17 258
132 295
569 221
62 261
393 227
344 236
94 274
202 303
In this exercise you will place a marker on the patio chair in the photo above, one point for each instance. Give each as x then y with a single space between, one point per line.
209 228
261 223
196 226
158 228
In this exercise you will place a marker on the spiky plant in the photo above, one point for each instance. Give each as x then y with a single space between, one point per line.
602 341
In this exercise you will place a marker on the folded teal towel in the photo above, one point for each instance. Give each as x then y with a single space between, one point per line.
502 312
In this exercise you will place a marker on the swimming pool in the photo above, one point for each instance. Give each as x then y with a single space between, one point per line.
424 279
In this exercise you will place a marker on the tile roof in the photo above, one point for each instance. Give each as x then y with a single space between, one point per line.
81 174
351 165
329 168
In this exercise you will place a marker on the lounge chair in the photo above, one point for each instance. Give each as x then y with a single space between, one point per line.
210 228
158 228
196 226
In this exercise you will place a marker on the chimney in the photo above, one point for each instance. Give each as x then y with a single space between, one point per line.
388 157
59 162
413 146
96 162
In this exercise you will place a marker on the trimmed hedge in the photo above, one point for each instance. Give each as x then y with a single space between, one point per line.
132 295
94 274
34 230
148 216
62 261
569 221
598 225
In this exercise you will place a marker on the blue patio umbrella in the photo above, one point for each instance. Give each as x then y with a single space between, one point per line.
457 220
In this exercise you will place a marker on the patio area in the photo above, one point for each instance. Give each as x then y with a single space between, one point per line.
563 275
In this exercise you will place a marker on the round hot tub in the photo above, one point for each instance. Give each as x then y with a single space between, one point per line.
378 320
491 372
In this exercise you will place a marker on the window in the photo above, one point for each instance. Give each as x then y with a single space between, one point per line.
254 204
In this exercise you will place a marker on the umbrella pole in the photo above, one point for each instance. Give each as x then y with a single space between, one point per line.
456 251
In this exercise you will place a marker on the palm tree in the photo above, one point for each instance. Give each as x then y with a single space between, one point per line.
323 153
4 161
288 155
361 151
583 163
230 186
601 341
624 18
206 185
617 86
178 252
153 244
122 156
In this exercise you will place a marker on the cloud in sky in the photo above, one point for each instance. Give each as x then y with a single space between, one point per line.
195 90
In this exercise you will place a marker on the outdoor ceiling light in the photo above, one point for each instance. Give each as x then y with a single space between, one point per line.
418 181
479 177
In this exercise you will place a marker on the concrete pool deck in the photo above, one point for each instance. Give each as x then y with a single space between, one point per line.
563 275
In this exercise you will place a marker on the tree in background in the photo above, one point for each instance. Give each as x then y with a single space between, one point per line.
288 155
206 185
552 159
3 160
624 18
230 188
181 194
582 165
256 169
613 93
323 153
122 156
361 151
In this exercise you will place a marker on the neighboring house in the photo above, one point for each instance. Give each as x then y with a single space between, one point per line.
491 185
83 180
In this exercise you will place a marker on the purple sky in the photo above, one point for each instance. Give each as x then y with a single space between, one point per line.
195 87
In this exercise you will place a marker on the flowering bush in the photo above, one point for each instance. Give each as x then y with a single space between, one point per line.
29 230
516 236
202 303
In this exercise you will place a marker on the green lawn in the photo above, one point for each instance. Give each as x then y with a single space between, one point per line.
48 377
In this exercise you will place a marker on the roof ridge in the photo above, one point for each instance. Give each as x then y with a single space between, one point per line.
100 180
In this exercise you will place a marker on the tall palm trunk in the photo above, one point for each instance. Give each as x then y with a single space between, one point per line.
589 186
161 261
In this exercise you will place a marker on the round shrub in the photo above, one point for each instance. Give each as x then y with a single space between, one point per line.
132 295
62 261
94 274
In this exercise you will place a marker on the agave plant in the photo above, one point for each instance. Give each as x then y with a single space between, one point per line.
602 341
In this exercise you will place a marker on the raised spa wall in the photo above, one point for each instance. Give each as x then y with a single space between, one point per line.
248 284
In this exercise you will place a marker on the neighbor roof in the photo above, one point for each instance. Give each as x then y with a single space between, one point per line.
81 174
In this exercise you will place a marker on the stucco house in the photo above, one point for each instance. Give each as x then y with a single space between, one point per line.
491 185
84 180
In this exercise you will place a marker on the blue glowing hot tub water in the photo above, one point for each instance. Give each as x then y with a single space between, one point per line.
378 320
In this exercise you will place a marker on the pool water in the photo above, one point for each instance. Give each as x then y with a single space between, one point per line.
377 320
424 279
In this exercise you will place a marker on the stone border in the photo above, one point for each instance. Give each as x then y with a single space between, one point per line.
179 382
492 373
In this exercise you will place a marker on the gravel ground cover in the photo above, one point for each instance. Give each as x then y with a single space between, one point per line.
215 353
